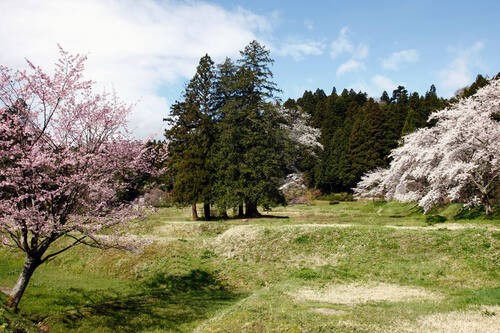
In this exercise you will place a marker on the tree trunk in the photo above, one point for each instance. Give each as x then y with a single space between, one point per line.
485 200
251 209
194 212
30 264
206 211
488 208
240 211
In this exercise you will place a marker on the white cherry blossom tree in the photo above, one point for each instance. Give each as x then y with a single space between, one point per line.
455 160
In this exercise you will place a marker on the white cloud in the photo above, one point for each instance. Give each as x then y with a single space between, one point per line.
361 51
398 59
381 83
459 72
136 46
376 85
350 66
343 44
301 49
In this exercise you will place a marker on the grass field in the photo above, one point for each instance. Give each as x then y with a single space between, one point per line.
348 267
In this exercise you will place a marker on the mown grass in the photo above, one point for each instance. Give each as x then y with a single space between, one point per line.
238 275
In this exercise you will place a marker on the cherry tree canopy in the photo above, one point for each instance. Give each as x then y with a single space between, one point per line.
63 153
457 159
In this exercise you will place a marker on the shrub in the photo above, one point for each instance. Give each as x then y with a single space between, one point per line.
343 196
433 219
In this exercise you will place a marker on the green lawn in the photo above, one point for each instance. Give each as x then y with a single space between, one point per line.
285 272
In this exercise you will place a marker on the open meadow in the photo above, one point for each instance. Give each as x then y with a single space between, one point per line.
346 267
249 166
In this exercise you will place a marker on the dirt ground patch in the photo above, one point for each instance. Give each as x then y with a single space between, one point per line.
350 294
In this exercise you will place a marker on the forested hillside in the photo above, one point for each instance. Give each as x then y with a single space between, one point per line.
232 140
358 132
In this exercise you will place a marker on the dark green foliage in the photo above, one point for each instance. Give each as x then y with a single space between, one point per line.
385 97
251 144
433 219
302 239
367 144
466 213
337 197
290 104
480 82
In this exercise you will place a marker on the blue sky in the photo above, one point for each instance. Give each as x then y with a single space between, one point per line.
146 50
414 43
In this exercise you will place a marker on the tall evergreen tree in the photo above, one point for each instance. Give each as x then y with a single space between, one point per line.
251 141
191 138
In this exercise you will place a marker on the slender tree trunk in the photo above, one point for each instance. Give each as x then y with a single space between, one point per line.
251 209
194 212
240 211
206 211
488 209
30 264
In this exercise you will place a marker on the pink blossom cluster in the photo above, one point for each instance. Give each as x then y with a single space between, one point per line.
457 159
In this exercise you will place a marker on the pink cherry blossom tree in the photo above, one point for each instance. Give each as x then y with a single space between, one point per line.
455 160
63 148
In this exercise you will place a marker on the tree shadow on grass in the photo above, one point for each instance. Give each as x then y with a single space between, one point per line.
246 218
165 302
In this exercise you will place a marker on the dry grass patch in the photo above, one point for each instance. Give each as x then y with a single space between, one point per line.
5 290
350 294
178 229
188 230
250 241
235 240
484 320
